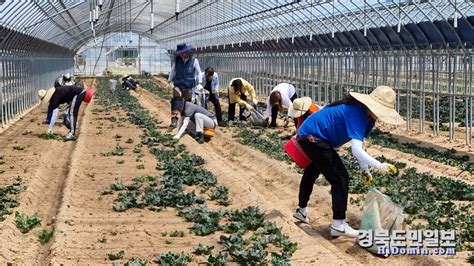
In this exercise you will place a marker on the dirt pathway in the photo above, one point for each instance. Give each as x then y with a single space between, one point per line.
43 166
88 228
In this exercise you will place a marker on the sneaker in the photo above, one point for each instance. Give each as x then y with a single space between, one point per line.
272 125
298 214
344 230
230 123
69 136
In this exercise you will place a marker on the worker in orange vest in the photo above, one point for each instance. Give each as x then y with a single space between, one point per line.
301 109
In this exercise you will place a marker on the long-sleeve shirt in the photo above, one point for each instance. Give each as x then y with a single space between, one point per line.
286 91
63 94
234 97
197 71
213 84
339 124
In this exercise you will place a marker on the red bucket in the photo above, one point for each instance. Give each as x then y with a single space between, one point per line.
296 153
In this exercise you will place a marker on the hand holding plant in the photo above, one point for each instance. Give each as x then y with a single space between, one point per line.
367 177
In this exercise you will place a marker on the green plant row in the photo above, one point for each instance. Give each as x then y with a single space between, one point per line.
181 171
262 140
150 85
444 101
448 157
8 199
422 195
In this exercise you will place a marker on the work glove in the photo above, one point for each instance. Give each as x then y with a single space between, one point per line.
199 88
255 102
249 107
367 178
50 131
193 99
286 121
388 169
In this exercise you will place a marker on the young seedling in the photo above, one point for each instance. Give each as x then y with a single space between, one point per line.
174 258
19 147
116 255
203 249
218 260
176 234
45 235
25 223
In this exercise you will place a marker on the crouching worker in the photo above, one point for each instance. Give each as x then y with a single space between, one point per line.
349 119
196 114
237 89
282 95
128 83
74 96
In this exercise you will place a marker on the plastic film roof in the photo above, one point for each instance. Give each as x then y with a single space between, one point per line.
245 24
68 23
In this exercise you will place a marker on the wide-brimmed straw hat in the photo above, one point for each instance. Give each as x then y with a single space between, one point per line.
299 107
381 102
182 48
125 76
45 95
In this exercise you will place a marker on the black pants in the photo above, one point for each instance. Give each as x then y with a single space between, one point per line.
326 161
74 110
186 93
241 111
275 112
214 99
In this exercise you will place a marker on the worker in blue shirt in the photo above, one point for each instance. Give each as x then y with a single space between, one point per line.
349 119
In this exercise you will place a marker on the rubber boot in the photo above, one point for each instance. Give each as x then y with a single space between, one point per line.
200 137
174 121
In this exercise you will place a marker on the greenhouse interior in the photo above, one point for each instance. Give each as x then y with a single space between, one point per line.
352 143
